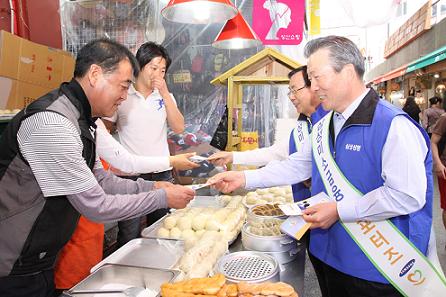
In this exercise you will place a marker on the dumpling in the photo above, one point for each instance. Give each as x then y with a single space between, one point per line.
170 222
175 233
184 223
163 232
213 225
187 234
199 222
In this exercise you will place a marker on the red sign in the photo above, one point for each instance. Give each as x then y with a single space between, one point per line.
278 21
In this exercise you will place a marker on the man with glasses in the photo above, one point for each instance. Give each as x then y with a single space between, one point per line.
281 156
373 163
50 174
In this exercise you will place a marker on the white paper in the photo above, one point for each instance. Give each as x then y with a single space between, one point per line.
295 209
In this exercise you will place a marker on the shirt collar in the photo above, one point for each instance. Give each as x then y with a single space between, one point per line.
353 106
75 89
132 90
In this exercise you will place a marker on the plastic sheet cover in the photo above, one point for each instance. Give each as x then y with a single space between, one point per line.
194 64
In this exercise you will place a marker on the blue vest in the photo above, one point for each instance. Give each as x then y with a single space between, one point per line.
363 169
300 191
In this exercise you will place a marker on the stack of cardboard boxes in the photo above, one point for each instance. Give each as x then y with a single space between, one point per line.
29 70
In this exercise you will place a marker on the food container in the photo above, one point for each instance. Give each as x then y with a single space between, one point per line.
285 256
113 276
265 211
280 243
146 252
249 266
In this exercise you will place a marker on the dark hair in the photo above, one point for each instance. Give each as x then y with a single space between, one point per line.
304 74
150 50
342 51
105 53
434 100
411 105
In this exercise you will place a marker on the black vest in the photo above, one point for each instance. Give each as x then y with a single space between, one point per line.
57 220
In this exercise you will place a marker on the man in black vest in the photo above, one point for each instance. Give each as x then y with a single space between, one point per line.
49 172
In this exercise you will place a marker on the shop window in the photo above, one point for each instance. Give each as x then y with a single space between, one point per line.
402 9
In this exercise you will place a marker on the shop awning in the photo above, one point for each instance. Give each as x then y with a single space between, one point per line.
400 71
432 58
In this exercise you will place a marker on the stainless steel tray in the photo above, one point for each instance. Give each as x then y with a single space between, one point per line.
121 277
146 252
206 201
152 230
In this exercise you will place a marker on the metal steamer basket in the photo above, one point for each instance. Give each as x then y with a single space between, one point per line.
279 243
249 266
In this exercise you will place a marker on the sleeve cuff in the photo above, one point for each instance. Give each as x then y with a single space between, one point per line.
251 179
162 198
347 212
237 158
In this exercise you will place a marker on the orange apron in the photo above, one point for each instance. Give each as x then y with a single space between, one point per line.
80 254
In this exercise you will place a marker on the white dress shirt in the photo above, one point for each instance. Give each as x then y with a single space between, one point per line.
117 156
403 172
142 124
262 156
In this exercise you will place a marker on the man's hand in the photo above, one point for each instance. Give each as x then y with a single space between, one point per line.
161 86
321 215
162 185
228 181
440 170
178 196
221 158
182 162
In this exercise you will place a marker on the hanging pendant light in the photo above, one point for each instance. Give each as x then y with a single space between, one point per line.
199 11
236 34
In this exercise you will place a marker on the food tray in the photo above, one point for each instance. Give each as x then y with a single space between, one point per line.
206 201
146 252
122 276
249 266
151 232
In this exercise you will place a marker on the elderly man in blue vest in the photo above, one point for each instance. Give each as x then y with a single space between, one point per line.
374 164
306 102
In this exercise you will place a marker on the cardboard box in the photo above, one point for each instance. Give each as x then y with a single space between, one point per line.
29 70
16 94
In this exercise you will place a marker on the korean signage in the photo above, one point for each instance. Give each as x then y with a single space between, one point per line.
279 22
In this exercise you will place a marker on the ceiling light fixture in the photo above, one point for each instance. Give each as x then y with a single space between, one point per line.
236 34
199 11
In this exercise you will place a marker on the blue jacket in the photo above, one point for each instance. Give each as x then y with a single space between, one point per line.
367 127
300 191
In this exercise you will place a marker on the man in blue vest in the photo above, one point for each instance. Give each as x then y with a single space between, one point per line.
379 152
306 102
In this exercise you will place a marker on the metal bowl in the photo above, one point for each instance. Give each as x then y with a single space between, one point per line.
281 243
249 266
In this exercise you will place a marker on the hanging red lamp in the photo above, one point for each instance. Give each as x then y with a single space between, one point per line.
199 11
236 34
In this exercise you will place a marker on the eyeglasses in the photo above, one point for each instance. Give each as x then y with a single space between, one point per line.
294 91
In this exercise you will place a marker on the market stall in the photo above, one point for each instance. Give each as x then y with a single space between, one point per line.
236 236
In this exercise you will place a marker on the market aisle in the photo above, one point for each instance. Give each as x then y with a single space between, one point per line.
312 288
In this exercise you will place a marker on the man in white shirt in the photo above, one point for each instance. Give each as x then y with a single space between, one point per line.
381 152
305 102
142 120
123 162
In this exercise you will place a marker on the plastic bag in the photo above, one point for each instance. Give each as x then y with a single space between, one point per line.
220 138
